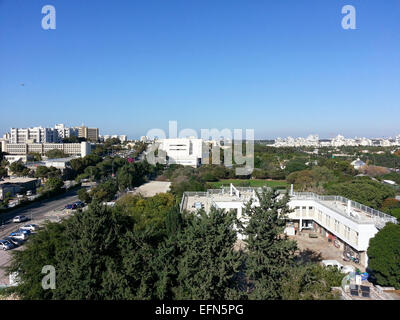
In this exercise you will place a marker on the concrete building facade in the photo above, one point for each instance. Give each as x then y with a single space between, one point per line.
183 151
81 149
90 134
350 224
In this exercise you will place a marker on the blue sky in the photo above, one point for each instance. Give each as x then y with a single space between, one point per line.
280 67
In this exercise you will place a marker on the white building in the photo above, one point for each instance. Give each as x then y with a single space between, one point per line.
65 132
122 137
80 149
59 163
33 135
183 151
335 217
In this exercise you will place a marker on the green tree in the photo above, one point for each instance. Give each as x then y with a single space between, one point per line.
295 165
384 256
270 253
56 153
19 169
42 249
364 190
36 156
147 212
90 268
3 172
208 262
103 192
84 196
53 185
311 282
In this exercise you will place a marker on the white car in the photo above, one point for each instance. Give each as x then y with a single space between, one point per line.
19 235
20 219
30 227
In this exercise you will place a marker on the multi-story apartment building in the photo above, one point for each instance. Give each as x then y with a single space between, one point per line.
65 132
90 134
351 224
33 135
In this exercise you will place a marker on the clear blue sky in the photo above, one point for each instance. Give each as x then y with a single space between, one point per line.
280 67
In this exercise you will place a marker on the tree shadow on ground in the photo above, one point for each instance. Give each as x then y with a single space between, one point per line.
308 255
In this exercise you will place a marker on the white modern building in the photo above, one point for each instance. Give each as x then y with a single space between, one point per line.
351 224
183 151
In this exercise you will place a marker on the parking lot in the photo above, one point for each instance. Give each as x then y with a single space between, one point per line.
6 229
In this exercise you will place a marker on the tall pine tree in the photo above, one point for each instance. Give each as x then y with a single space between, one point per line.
208 263
270 254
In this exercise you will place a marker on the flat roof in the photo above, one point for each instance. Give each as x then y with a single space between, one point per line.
17 180
358 213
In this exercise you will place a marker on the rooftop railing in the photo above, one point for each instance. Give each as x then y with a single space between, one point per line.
370 215
361 213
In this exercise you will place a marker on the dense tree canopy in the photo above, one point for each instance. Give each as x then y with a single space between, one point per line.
56 153
384 256
270 255
364 190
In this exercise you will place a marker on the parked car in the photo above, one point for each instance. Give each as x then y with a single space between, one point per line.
79 204
71 206
29 193
20 219
28 232
6 245
30 227
19 235
14 241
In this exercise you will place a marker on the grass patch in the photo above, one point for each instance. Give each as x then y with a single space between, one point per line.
280 184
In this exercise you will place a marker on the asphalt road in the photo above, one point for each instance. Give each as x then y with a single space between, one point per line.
37 211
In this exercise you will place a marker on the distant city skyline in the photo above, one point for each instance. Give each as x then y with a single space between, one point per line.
282 68
102 133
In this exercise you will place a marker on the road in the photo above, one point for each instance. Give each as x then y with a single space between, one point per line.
38 212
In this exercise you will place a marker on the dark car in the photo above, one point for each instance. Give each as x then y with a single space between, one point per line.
71 206
6 245
79 204
14 241
28 232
